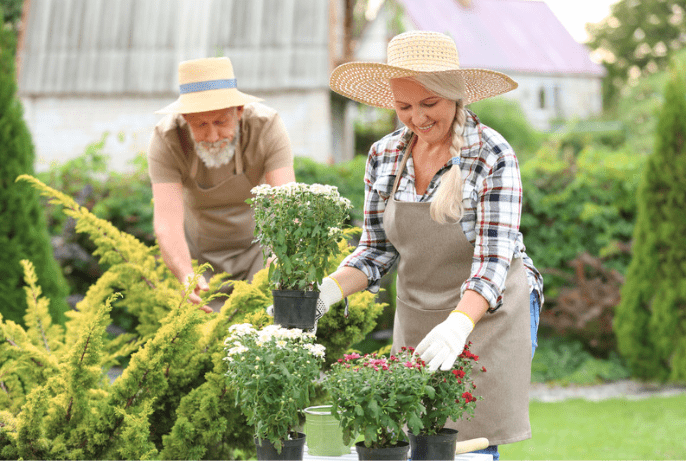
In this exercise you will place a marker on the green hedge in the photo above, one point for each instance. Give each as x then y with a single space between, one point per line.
23 231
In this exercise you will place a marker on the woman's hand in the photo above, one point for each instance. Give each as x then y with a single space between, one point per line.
445 342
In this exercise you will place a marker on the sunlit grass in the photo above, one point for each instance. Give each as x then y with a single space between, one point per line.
653 428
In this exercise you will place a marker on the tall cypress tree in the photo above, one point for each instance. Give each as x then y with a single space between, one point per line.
650 321
23 227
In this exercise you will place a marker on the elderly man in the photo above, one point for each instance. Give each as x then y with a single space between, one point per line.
214 145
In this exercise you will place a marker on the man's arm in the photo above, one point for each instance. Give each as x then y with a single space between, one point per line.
168 224
280 176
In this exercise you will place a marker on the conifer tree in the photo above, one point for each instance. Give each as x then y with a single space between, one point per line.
649 321
23 228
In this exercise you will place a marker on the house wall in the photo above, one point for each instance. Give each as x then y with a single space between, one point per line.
544 98
62 127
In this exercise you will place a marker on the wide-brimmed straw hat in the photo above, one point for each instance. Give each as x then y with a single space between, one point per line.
410 54
207 84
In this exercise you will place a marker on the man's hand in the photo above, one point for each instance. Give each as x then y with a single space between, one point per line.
194 297
446 341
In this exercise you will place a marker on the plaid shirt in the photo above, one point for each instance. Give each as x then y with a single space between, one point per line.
492 200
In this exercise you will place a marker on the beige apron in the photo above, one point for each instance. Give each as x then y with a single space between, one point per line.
220 226
435 259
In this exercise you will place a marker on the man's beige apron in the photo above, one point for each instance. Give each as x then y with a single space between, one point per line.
435 259
220 226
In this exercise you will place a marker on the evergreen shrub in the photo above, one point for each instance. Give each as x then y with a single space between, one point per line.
172 400
578 204
649 323
23 230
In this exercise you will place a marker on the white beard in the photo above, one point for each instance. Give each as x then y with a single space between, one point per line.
216 154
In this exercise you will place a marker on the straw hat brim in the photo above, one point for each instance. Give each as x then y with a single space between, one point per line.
369 83
205 101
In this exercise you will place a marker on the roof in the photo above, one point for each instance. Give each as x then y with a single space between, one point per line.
505 35
134 46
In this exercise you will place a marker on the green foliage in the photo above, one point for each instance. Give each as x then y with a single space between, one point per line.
649 321
507 118
300 226
11 12
172 400
564 361
451 397
125 200
272 372
575 204
348 177
377 396
637 39
23 231
370 125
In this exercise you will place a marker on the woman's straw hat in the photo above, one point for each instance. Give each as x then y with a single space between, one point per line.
207 84
409 54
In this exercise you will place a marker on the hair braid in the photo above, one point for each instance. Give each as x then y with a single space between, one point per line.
447 204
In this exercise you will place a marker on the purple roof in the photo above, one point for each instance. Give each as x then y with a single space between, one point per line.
505 35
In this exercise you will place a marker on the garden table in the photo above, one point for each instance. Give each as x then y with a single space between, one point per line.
353 457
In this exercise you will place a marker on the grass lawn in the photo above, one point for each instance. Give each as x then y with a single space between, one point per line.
653 428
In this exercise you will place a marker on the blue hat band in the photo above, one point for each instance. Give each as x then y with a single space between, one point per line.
207 85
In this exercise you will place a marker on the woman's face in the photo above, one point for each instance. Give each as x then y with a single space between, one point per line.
429 116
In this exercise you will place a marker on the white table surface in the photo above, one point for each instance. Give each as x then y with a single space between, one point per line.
353 457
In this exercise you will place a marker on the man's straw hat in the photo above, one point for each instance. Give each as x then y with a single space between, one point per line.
207 84
409 54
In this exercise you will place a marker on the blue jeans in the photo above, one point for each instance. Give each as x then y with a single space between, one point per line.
490 450
535 315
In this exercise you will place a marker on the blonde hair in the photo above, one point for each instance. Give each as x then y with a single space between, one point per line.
447 203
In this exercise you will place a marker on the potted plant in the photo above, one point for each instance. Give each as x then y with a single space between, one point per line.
298 226
272 372
376 397
450 397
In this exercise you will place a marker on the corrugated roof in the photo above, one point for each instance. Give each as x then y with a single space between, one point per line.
134 46
505 35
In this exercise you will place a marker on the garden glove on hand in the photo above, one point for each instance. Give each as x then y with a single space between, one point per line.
446 341
330 293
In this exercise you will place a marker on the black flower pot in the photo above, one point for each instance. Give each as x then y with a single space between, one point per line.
438 447
295 308
396 452
292 449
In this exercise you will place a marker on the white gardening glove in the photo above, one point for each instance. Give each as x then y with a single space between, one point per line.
329 294
446 341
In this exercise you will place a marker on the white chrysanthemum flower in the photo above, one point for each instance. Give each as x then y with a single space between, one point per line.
241 329
237 350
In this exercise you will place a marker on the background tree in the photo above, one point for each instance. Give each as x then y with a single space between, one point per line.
23 230
637 39
649 321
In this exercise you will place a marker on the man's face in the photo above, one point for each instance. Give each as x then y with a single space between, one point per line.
214 125
215 134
